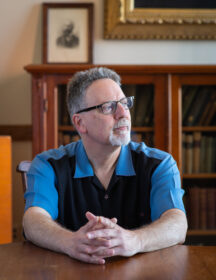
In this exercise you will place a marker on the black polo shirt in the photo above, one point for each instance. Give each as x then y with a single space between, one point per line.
145 183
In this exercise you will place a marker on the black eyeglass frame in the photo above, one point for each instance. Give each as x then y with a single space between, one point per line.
100 105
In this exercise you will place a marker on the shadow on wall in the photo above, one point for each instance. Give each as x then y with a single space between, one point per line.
15 83
27 48
15 100
15 93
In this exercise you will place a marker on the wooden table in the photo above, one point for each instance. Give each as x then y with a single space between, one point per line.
25 261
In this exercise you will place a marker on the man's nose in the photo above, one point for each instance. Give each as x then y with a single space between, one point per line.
121 111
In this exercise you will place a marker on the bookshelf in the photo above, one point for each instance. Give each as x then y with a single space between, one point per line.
165 89
195 97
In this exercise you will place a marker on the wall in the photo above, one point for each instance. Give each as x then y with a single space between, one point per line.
20 44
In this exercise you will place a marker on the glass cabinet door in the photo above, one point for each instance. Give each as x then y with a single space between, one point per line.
197 140
142 113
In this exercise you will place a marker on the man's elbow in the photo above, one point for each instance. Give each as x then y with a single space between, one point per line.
33 219
183 227
25 224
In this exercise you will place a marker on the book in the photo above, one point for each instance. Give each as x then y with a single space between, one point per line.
149 118
189 94
148 139
130 90
136 137
143 96
183 153
213 164
189 153
74 137
211 114
195 109
196 151
66 138
203 208
211 207
203 97
214 120
205 111
209 154
202 100
64 118
194 205
60 138
203 154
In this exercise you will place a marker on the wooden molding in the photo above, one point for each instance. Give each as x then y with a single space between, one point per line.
62 69
17 132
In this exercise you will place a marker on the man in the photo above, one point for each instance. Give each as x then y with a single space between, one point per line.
104 195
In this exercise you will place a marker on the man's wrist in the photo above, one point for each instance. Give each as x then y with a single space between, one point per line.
141 239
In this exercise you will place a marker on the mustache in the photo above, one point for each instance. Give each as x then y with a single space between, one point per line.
122 122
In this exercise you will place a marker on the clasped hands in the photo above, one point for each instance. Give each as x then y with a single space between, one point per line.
101 238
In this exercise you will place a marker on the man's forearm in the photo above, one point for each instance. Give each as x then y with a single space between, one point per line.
167 231
102 237
43 231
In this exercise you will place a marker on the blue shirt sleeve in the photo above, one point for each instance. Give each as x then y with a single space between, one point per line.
41 189
166 190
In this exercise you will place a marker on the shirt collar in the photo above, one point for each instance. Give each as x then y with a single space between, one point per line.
124 165
83 165
84 168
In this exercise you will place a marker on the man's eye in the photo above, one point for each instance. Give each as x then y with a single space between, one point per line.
124 102
107 107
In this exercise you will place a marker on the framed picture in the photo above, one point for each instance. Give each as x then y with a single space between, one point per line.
160 19
67 32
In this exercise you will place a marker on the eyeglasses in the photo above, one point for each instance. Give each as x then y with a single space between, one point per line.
110 107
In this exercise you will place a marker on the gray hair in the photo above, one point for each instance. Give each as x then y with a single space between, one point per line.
76 89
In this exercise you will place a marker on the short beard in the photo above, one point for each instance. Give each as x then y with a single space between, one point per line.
123 138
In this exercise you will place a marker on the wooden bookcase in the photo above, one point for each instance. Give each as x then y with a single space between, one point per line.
168 84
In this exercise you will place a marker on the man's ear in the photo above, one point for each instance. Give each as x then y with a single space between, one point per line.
79 123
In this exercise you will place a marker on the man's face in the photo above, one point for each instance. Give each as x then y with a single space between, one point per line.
106 129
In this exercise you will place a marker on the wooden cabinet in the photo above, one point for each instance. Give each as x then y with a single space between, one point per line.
169 85
46 80
194 148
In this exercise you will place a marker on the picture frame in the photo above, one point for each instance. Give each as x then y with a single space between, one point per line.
124 20
67 33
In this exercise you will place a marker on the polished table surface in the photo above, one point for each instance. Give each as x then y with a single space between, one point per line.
23 261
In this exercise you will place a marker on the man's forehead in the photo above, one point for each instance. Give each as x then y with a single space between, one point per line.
102 82
103 90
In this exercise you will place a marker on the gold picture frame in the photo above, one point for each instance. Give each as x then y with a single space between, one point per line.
124 21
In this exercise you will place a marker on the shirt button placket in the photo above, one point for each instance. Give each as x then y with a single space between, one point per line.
106 196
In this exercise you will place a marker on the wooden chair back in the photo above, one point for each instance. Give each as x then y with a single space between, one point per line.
23 168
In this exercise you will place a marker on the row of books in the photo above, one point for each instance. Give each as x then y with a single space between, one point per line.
142 113
198 153
63 115
66 137
199 106
201 207
146 137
